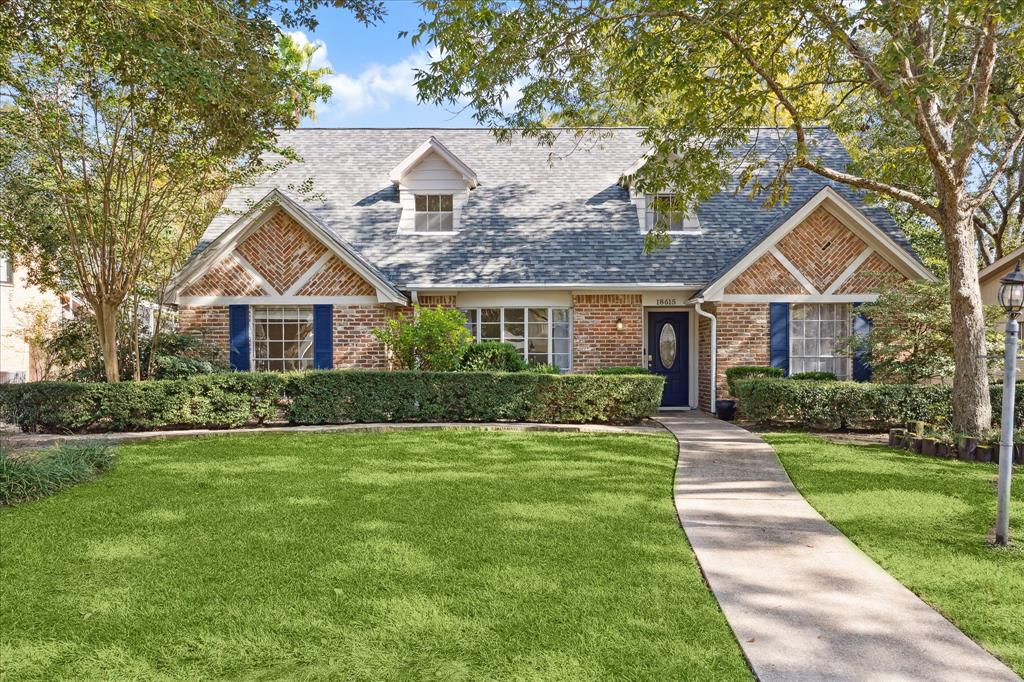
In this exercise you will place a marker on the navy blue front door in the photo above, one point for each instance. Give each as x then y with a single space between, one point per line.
668 353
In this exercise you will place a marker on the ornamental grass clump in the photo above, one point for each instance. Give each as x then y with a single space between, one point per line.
30 476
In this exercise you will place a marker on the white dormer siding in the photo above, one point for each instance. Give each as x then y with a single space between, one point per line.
432 175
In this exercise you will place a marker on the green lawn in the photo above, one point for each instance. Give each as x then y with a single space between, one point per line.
925 521
427 554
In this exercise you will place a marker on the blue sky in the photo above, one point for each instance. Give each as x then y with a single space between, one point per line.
373 71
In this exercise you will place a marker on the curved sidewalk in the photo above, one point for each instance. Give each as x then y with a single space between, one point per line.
804 602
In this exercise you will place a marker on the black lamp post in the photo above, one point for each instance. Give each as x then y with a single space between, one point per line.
1011 298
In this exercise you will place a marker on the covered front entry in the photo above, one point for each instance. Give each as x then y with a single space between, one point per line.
668 354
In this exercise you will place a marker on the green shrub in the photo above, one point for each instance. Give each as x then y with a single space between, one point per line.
493 356
814 376
734 374
365 396
845 404
331 397
31 476
544 369
432 339
631 371
207 401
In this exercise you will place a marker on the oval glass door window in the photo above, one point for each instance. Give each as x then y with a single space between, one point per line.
667 346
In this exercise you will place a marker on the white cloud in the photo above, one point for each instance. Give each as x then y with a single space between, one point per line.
375 88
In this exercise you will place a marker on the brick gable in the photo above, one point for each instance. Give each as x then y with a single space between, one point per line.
872 275
226 278
336 278
281 251
821 247
766 276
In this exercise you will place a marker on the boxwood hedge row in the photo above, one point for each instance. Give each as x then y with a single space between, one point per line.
328 397
848 404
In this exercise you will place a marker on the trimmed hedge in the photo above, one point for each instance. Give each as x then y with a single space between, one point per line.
493 356
329 397
814 376
739 372
846 404
627 371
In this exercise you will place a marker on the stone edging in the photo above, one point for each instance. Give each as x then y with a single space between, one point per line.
32 441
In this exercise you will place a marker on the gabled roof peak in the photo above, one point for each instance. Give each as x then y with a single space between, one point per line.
436 146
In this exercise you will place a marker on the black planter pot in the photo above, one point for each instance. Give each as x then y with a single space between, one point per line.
1018 453
968 449
726 409
983 453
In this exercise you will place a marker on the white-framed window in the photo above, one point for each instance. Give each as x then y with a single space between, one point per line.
6 269
434 213
542 334
665 209
282 338
815 334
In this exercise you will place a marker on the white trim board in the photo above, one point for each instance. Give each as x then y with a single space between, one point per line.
797 298
309 274
275 300
850 269
846 213
794 270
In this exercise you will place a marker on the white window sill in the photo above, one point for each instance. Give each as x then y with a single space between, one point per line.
446 233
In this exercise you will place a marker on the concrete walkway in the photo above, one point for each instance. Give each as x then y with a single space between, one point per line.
804 602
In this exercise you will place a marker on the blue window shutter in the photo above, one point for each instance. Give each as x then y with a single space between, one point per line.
861 328
780 336
238 333
323 336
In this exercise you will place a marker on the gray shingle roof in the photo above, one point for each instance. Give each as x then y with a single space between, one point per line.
541 215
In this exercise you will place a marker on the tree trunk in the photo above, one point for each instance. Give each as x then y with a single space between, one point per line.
972 408
106 328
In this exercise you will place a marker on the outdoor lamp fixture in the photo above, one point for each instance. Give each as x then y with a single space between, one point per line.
1011 297
618 324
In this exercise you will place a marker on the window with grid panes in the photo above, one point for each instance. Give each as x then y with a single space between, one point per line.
815 334
542 334
434 213
282 338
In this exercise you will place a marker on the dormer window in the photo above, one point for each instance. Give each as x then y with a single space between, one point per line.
664 211
434 213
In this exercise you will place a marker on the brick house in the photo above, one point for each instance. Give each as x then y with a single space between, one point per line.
541 247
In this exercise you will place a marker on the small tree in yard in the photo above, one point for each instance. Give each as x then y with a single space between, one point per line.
911 336
939 82
433 339
122 122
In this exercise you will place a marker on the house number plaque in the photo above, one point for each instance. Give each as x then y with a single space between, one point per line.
665 301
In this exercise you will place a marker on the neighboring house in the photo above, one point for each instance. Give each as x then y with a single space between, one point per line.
20 304
989 278
990 275
541 247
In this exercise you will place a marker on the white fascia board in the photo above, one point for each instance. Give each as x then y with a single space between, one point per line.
428 288
433 145
275 300
795 298
851 217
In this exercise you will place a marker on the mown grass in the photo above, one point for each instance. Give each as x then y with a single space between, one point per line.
429 554
925 521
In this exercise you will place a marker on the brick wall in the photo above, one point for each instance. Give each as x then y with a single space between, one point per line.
281 251
445 301
766 275
704 357
209 323
355 346
595 339
744 338
873 274
336 278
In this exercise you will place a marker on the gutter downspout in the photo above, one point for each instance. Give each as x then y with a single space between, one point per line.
714 351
